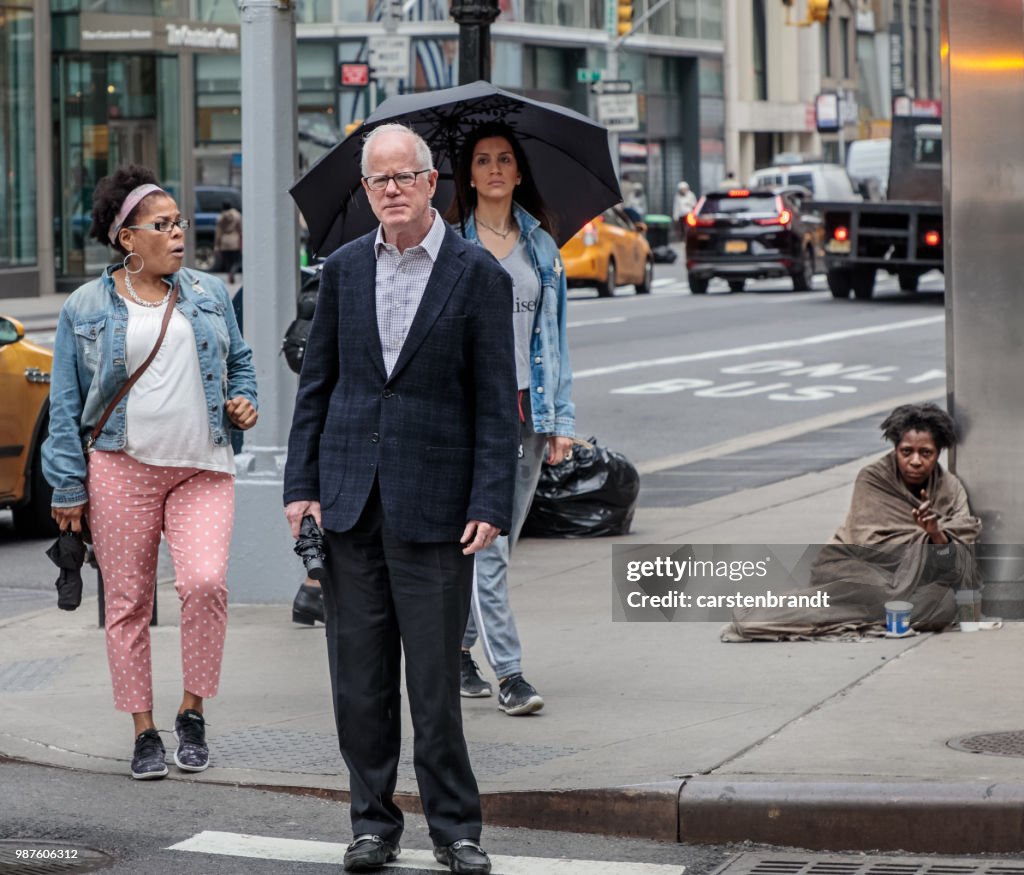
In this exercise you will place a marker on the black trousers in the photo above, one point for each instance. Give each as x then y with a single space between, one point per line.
384 595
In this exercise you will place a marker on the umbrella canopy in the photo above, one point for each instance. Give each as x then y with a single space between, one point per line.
568 155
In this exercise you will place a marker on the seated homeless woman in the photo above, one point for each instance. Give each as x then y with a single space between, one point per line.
156 458
907 537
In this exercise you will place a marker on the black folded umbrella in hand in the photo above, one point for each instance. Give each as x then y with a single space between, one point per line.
68 554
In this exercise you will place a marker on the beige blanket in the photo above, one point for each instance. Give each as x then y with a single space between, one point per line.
879 554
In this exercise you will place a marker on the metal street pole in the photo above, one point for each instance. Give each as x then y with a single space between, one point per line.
611 21
263 565
474 18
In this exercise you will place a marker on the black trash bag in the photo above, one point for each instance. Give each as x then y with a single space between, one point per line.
68 554
664 255
592 494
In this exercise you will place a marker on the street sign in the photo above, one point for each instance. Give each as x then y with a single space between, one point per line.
612 86
389 56
585 75
618 112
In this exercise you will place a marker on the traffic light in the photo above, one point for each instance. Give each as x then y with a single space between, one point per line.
817 10
624 11
351 126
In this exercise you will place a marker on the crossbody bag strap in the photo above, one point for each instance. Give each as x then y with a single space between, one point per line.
134 378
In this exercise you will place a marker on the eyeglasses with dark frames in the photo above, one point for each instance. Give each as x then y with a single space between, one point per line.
405 179
164 227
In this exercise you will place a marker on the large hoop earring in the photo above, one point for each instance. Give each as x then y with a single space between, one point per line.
128 257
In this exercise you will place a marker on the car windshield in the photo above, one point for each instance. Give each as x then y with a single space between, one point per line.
212 200
750 204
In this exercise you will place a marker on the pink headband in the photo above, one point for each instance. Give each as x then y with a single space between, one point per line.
130 203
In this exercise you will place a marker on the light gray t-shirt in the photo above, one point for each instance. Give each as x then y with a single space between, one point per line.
525 301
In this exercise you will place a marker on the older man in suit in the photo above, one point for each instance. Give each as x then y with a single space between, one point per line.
403 447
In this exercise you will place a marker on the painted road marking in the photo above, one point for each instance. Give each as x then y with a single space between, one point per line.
584 322
812 340
232 844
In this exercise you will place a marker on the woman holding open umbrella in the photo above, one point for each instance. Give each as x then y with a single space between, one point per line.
497 204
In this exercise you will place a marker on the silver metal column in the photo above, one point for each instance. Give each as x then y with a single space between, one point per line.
44 153
263 566
983 161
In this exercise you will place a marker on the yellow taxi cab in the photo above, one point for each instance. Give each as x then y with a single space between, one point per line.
24 415
610 250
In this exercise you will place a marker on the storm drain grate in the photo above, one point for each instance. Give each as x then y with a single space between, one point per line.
811 864
31 857
286 750
27 675
1002 744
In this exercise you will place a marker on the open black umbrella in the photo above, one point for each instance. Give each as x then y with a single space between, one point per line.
568 155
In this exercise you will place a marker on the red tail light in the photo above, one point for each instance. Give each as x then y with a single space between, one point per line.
842 234
783 218
739 192
932 238
695 221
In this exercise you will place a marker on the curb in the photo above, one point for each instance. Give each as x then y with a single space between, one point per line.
923 817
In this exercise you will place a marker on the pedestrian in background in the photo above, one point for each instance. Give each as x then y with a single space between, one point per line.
504 212
159 460
227 241
403 449
682 204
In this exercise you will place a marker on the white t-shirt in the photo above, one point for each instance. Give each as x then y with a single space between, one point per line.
525 301
167 423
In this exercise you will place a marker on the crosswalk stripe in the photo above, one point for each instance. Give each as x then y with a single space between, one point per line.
303 851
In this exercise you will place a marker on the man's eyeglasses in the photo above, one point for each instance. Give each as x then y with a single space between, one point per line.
403 180
164 227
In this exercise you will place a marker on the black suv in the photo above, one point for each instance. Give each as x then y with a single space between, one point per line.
740 234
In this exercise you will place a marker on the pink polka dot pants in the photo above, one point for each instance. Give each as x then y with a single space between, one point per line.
130 503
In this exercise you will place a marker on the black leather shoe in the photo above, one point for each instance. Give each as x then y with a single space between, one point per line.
368 852
464 857
308 606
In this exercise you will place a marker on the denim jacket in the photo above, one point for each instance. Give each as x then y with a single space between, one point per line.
550 371
89 367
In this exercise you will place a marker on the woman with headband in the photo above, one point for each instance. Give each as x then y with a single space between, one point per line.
150 374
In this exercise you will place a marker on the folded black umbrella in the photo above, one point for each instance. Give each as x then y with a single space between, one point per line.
68 554
568 155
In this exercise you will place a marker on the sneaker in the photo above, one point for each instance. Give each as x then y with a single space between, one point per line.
516 696
148 759
192 754
473 684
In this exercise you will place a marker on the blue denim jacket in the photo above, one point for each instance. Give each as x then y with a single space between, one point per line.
550 370
89 367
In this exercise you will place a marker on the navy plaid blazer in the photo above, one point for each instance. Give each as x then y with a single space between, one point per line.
442 432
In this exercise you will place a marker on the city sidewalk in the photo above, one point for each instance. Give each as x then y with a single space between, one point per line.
649 729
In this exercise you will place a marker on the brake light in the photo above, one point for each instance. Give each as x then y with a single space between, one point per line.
589 234
932 238
842 234
739 192
695 221
783 218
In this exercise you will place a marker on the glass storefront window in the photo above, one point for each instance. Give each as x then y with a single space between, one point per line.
572 13
99 128
218 98
224 11
315 66
159 8
539 11
314 11
711 19
686 11
17 139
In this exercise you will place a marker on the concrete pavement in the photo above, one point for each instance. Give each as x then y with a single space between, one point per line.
650 729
